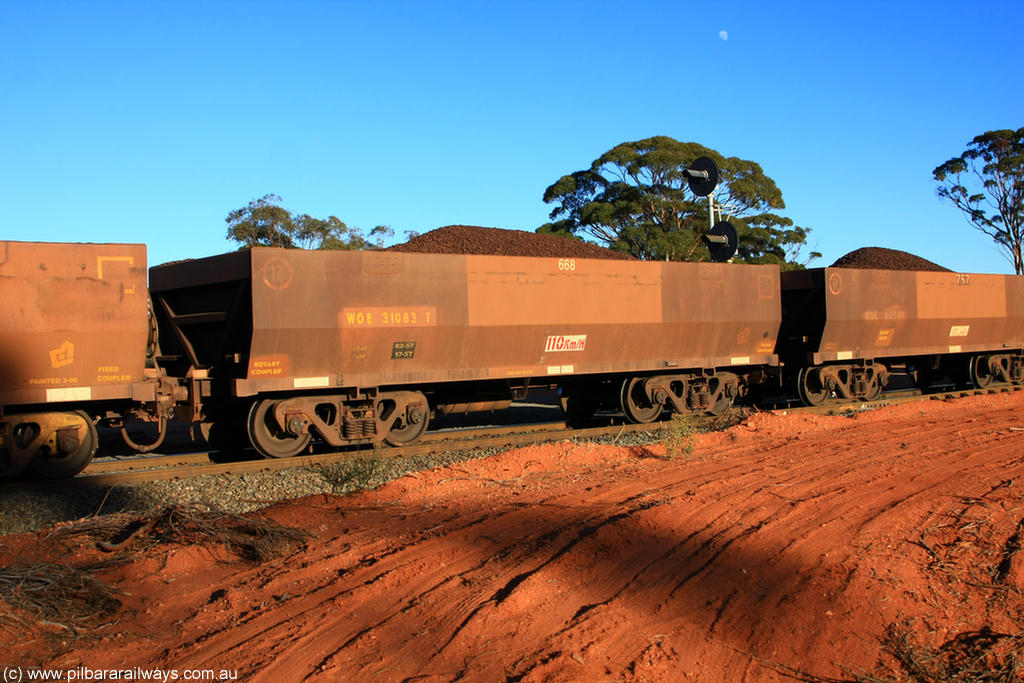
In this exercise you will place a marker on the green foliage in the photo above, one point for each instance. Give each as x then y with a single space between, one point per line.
265 223
635 198
986 183
680 436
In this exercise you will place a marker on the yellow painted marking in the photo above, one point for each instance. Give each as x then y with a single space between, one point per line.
46 380
388 316
130 260
123 379
63 355
112 373
269 366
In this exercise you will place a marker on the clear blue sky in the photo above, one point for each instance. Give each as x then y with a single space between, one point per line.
150 121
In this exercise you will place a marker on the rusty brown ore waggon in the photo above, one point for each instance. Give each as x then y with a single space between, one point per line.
357 347
844 329
73 338
274 347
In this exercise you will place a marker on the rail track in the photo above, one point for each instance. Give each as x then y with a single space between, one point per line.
112 471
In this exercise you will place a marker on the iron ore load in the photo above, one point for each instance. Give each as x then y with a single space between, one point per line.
277 349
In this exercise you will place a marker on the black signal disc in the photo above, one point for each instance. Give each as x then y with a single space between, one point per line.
722 241
702 187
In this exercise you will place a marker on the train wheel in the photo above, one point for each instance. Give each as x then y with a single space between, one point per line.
74 445
410 427
809 386
635 403
980 372
874 389
268 438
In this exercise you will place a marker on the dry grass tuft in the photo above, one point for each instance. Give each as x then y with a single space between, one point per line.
969 657
69 597
251 539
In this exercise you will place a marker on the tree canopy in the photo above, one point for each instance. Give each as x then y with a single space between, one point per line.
265 223
635 198
986 183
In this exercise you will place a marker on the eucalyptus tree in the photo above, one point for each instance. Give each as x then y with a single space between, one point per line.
986 183
264 222
635 198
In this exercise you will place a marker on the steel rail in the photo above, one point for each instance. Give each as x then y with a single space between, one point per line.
469 442
135 463
135 470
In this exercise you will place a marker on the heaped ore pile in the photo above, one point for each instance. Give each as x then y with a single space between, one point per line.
471 239
880 258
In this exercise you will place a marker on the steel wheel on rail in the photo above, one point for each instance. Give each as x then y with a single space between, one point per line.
980 372
874 389
409 427
266 435
810 387
636 404
69 449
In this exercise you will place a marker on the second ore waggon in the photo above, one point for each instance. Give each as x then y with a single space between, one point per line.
359 347
845 329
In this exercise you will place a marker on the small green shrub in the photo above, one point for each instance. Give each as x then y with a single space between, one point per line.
680 436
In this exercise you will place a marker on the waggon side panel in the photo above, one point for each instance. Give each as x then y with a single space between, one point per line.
384 318
883 313
722 312
73 321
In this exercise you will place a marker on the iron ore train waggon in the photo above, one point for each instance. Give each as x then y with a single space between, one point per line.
276 348
845 329
74 338
359 347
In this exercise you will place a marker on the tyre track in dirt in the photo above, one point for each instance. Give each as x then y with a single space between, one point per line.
787 541
700 549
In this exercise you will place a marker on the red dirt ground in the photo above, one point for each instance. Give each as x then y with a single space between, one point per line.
786 543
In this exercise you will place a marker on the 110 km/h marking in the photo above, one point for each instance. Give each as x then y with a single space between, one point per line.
566 342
